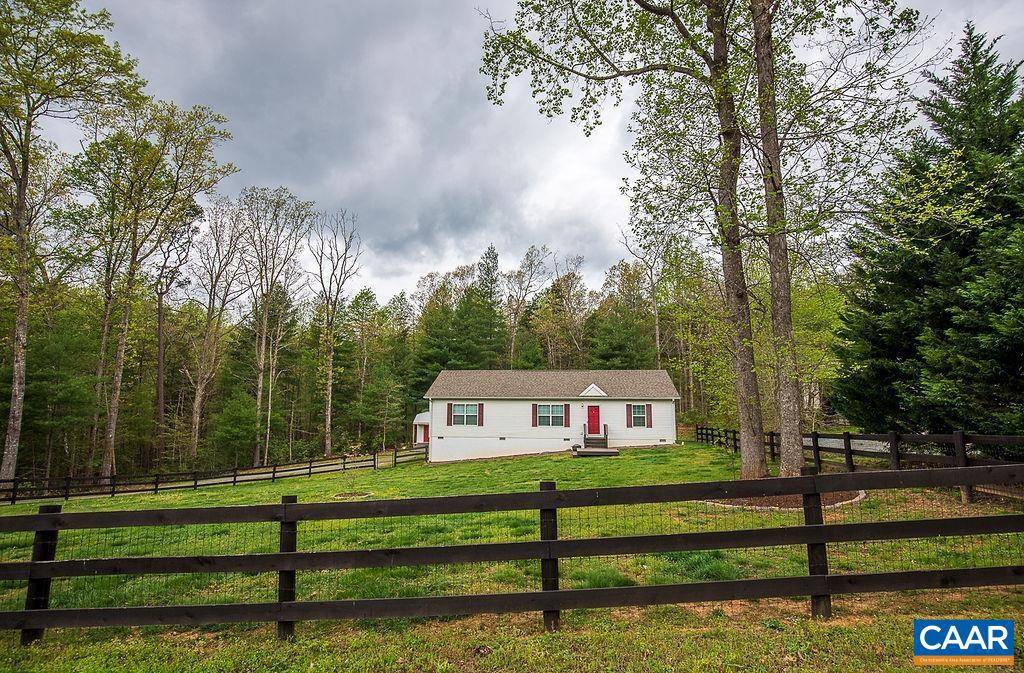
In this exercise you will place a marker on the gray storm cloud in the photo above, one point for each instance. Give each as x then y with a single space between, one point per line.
378 107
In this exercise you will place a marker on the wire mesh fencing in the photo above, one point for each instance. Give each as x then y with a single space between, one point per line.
472 546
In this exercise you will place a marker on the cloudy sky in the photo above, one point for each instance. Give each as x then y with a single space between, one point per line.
379 107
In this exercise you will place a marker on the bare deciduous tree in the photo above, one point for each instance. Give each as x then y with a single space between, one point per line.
521 285
336 249
650 247
171 257
574 299
219 276
276 225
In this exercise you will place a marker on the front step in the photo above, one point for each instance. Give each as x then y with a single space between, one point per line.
595 442
589 452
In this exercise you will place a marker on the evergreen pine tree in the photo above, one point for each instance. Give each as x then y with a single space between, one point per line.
933 336
478 331
433 349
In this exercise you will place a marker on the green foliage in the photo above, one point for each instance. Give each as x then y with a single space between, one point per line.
489 277
232 429
933 337
55 61
479 332
620 329
434 343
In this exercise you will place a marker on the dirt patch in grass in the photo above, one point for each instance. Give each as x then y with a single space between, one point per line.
791 502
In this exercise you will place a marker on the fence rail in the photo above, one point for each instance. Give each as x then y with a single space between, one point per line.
819 583
21 489
888 446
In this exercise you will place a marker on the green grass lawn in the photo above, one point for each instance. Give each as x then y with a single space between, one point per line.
869 633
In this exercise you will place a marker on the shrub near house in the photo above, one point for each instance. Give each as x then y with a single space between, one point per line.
486 413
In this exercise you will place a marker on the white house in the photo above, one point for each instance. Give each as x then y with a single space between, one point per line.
487 413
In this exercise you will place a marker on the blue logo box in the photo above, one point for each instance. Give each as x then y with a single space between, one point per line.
965 642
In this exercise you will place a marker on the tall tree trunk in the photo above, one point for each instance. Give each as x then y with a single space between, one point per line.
270 409
196 419
788 382
657 322
161 353
19 348
689 366
513 332
101 370
748 395
49 458
328 391
108 466
363 360
19 337
261 364
291 430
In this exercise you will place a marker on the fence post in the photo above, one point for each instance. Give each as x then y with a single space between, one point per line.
375 458
394 457
960 453
156 482
67 487
771 445
894 451
37 595
310 468
549 566
286 578
234 476
848 451
113 485
273 473
816 451
195 479
817 553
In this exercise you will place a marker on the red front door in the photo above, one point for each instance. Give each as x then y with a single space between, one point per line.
426 433
593 420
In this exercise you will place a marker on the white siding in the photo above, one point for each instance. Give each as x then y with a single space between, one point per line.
508 430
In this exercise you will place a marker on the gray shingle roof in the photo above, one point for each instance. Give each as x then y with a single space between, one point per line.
653 384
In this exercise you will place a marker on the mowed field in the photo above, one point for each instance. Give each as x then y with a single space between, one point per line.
868 632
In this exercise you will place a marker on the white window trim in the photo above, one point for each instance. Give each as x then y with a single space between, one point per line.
550 415
642 415
465 416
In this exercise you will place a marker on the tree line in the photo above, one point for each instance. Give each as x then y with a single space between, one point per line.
158 324
790 231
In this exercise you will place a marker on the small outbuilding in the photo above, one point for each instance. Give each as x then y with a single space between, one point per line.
501 412
421 429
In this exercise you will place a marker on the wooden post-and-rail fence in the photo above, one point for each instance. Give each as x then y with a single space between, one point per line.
819 582
21 489
894 453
